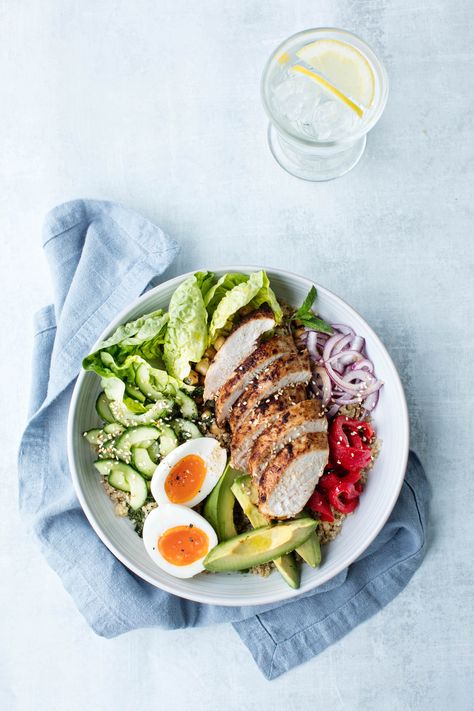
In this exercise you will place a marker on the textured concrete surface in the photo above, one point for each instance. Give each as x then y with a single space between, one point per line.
156 104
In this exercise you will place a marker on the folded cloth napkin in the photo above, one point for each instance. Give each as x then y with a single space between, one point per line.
103 256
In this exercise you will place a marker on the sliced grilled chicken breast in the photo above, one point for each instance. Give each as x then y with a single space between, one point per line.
295 421
263 356
287 370
289 479
266 412
236 348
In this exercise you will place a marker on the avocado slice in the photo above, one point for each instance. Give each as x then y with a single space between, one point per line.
261 545
310 551
219 506
289 569
244 491
246 494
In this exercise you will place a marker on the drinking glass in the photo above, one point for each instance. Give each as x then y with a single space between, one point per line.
316 131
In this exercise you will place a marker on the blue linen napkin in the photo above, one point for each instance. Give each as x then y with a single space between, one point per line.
102 256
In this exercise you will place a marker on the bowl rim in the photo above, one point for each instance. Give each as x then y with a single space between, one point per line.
262 599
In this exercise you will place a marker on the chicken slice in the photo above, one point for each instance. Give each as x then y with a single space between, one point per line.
295 421
263 356
287 370
266 412
289 480
236 348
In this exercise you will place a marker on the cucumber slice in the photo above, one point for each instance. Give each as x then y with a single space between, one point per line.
124 477
143 435
122 414
142 461
104 466
103 409
186 405
95 436
168 440
143 381
135 393
113 428
118 480
107 449
164 445
154 451
185 429
138 490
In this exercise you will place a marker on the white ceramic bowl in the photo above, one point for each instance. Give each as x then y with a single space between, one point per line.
358 531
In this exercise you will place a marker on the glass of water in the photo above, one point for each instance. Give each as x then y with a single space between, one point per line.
323 90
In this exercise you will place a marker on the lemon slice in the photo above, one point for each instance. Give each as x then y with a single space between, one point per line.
323 82
343 66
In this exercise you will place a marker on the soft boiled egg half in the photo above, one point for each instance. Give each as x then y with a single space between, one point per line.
189 473
178 539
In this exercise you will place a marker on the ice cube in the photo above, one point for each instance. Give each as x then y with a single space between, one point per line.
333 119
296 97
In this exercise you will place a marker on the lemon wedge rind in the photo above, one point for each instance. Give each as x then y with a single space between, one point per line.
330 87
343 66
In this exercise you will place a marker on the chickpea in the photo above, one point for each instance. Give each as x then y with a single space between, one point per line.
219 343
192 378
203 366
216 430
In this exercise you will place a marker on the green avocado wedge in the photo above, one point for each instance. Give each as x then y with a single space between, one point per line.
261 545
246 495
286 565
310 551
219 506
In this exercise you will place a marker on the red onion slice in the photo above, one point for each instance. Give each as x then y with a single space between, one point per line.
342 372
330 345
326 385
343 328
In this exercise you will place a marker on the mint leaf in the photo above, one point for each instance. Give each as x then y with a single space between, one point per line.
305 315
315 323
308 302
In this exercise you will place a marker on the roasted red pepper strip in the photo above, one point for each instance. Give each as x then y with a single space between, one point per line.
318 503
333 477
344 497
349 442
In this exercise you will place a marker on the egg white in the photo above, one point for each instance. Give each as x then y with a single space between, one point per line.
168 516
214 456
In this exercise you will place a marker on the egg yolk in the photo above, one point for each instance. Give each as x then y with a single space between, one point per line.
185 479
183 545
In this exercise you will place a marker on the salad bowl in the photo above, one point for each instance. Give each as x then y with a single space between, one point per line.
236 589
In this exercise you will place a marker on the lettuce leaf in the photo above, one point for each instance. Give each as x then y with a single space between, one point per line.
227 282
116 380
143 337
186 335
254 291
266 295
205 281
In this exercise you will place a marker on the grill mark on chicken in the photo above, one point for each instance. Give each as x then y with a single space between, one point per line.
236 348
297 420
264 415
287 370
311 449
252 368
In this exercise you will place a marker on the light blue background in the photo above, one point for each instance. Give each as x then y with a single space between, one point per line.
156 104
